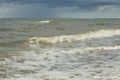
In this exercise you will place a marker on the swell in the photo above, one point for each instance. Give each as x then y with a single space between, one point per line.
5 29
65 38
75 37
20 42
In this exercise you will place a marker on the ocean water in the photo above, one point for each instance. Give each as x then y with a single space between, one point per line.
59 49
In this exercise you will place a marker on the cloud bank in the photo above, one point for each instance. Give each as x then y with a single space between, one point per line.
59 9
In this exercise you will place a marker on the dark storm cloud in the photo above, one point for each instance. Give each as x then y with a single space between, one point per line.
85 4
59 8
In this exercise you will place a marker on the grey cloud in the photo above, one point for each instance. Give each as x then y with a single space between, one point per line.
36 10
42 9
85 4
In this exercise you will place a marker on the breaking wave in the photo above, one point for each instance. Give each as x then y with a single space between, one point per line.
72 38
45 21
91 49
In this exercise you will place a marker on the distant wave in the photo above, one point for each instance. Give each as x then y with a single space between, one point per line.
75 37
91 49
45 21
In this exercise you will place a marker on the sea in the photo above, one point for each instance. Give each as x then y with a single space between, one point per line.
59 49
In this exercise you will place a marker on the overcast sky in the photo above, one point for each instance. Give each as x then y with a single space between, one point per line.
59 8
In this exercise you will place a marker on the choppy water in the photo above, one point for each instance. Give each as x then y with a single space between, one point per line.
59 49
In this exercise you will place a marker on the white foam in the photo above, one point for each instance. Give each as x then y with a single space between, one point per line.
65 69
76 37
91 49
45 21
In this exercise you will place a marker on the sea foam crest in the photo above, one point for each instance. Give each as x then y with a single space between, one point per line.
91 49
45 21
76 37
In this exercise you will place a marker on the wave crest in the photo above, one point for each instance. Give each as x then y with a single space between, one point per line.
76 37
91 49
45 21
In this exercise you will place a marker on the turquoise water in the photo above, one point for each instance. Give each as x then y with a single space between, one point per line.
59 49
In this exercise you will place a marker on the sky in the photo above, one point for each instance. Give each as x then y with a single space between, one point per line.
59 8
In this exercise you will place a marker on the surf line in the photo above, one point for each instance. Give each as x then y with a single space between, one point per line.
91 49
75 37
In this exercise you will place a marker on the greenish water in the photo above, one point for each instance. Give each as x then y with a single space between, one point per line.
59 49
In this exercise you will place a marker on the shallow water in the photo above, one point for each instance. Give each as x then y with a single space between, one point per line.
59 49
